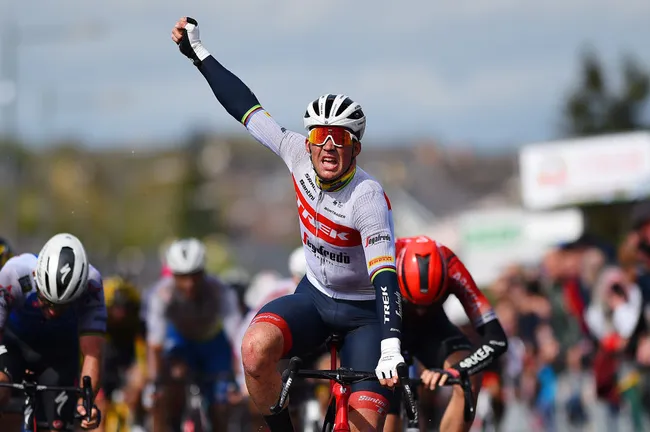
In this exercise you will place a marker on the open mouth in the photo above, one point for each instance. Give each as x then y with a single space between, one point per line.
329 163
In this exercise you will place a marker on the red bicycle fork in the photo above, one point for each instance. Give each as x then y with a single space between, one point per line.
341 395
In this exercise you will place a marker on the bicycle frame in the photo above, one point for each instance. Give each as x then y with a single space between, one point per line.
341 381
339 396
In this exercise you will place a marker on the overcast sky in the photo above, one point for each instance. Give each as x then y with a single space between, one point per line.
485 72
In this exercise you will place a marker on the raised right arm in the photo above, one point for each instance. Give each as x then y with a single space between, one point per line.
238 100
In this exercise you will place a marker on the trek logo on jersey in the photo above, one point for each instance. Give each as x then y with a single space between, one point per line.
380 260
478 356
385 298
340 257
322 227
377 238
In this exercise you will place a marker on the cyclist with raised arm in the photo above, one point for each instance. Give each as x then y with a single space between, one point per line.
51 311
192 320
346 229
428 273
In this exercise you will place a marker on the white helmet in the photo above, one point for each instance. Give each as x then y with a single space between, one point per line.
336 110
298 263
186 256
62 269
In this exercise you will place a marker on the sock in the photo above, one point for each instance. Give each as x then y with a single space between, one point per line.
280 422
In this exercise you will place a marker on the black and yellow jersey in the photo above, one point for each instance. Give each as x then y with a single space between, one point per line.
125 331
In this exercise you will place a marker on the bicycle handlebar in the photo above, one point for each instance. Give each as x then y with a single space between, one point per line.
85 391
347 377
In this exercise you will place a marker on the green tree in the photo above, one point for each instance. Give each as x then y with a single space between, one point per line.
596 107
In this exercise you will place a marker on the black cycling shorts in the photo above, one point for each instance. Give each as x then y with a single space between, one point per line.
308 317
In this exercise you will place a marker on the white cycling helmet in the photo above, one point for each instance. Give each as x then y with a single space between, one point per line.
186 256
336 110
298 263
62 269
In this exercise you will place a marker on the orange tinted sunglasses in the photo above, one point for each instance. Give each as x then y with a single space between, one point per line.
340 136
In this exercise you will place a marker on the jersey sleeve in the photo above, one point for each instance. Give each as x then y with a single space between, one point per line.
8 283
462 285
494 341
16 281
290 146
156 307
243 105
92 309
374 221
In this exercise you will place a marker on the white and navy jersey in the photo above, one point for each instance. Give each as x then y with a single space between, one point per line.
347 234
215 309
20 312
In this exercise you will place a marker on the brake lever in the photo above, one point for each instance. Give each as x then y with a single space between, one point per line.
405 382
88 396
287 379
466 384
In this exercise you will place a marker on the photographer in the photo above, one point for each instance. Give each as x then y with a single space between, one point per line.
614 318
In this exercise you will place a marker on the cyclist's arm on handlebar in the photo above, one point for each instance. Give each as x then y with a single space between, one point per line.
493 344
494 341
92 350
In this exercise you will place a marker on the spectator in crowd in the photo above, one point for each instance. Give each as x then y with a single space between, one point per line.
615 319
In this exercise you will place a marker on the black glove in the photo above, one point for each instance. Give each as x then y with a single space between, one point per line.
190 44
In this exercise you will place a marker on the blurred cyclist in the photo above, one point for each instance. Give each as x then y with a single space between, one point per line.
191 321
51 311
5 252
125 359
428 273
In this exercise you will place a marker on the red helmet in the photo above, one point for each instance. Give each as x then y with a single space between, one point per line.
422 272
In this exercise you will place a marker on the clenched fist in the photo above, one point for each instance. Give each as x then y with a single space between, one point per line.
186 35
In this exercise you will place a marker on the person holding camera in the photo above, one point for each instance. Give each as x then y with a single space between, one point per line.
615 318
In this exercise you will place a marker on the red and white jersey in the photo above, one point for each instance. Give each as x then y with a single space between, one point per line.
347 234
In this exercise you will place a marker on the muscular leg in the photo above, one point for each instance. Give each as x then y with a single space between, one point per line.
453 420
262 348
288 326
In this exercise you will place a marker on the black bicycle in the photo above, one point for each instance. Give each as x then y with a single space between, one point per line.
30 388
